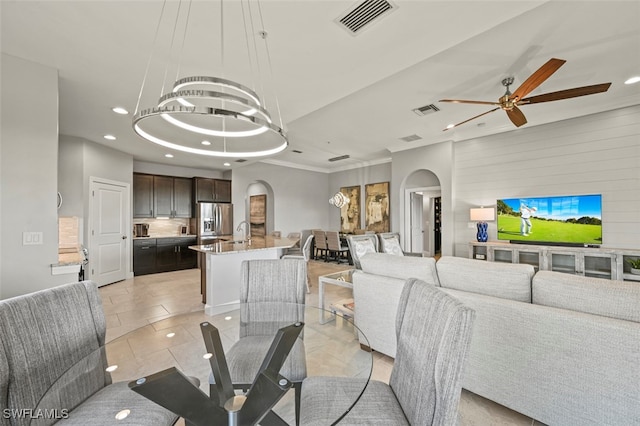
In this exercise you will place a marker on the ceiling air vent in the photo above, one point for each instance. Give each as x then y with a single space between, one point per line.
342 157
364 13
411 138
240 160
427 109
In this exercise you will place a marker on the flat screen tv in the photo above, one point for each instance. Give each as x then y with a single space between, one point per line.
572 220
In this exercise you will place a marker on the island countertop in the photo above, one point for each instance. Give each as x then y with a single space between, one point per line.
239 246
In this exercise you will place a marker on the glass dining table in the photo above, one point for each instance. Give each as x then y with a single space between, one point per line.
184 356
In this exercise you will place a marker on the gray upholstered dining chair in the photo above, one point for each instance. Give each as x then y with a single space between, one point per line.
262 282
297 248
336 251
320 239
305 255
52 357
359 245
434 332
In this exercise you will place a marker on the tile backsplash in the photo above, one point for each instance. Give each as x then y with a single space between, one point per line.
164 227
68 234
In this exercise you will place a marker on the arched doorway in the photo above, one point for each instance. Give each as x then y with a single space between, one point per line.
423 209
260 192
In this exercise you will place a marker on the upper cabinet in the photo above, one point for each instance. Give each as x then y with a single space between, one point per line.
142 195
212 190
172 196
162 196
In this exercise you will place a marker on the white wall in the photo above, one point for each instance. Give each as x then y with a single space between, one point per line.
80 160
301 197
70 176
597 154
28 176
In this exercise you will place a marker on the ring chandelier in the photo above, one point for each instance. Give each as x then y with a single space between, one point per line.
212 116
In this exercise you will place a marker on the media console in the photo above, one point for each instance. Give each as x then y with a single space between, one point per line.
589 261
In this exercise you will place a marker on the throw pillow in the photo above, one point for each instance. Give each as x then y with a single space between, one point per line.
391 245
363 247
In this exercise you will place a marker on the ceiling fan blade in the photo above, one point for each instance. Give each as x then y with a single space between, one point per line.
516 116
566 94
462 101
537 78
472 118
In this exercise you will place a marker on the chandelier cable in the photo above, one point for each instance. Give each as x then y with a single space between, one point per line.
146 71
266 45
184 39
173 38
246 39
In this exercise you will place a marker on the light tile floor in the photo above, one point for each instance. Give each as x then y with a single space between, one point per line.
133 303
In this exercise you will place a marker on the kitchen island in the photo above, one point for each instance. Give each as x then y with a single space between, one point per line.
221 269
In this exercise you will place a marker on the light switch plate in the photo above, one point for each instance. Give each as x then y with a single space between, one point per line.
32 238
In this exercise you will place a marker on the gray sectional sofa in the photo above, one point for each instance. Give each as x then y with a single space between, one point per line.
560 348
52 340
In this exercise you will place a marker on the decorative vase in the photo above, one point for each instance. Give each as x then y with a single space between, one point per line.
635 271
482 235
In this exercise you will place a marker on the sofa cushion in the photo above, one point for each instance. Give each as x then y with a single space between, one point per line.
614 299
504 280
423 268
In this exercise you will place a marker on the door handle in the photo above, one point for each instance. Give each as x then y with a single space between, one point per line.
124 237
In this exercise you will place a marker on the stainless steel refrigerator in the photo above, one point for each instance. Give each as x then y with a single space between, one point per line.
213 220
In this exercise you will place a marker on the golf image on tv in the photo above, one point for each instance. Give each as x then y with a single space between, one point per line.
570 220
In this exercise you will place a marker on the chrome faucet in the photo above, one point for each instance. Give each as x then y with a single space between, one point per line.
246 230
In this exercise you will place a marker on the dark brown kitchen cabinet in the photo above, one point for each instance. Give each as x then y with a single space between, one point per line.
142 195
162 196
182 197
144 256
212 190
154 255
174 254
172 196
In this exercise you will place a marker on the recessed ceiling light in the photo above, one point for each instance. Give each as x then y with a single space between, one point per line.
205 143
169 155
120 110
227 164
633 80
110 137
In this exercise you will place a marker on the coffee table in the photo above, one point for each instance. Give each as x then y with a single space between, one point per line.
341 279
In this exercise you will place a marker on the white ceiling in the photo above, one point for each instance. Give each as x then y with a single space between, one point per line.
338 93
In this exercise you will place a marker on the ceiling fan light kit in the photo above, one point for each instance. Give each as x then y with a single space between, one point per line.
229 115
509 102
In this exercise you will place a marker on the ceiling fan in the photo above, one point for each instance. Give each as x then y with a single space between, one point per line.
510 102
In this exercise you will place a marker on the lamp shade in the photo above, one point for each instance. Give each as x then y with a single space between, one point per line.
482 214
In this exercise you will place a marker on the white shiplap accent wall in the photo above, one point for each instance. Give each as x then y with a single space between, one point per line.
596 154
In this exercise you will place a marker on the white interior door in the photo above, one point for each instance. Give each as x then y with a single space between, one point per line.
109 232
417 237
